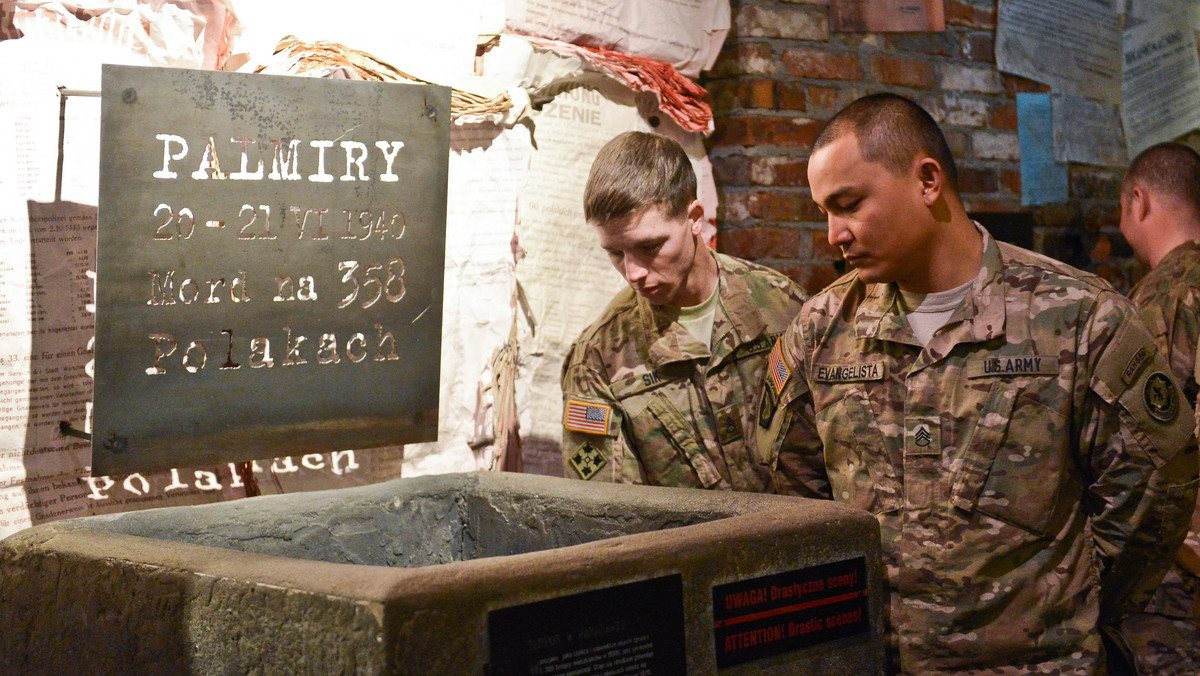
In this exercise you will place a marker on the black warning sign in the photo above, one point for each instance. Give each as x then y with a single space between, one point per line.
780 613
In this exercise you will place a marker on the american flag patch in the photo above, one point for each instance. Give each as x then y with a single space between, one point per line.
777 368
584 417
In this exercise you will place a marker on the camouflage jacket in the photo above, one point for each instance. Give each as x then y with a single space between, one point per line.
1168 298
644 402
1032 468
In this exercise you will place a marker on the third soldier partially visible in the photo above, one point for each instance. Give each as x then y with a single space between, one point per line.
1160 218
663 388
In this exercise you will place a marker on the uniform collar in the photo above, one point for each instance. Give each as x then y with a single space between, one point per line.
737 320
981 315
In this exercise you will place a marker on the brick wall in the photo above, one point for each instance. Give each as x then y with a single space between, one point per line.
782 72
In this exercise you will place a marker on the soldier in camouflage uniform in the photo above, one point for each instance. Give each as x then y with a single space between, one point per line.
1160 218
1029 460
663 388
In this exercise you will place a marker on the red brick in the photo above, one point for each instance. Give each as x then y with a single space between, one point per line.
782 206
784 132
1004 116
741 93
1014 84
745 58
791 96
896 70
944 43
789 23
756 243
811 276
820 64
960 13
822 249
976 180
731 170
1010 181
779 171
978 47
823 97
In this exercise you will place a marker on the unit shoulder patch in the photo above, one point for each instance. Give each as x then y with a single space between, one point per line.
1161 397
587 460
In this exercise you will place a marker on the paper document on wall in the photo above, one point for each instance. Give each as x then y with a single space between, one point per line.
684 33
1072 45
1087 131
1161 83
48 227
488 167
1043 181
434 41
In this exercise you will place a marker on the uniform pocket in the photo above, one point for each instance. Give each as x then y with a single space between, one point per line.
856 459
1012 468
689 453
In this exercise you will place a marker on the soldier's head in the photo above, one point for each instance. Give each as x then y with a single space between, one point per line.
641 198
1160 200
882 173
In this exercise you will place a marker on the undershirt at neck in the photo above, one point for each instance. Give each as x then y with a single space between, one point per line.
928 312
698 319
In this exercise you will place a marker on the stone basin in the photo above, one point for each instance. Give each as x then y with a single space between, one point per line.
475 573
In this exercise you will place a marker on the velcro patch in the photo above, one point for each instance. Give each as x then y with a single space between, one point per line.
777 368
586 417
766 406
848 373
1134 366
1014 365
587 460
729 425
756 346
1161 397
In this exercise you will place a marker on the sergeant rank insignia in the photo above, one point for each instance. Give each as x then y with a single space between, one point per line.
588 460
1161 397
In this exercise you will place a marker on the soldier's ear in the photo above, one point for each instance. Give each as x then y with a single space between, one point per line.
695 216
929 173
1139 203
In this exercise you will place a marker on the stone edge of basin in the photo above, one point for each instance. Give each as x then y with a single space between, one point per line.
765 534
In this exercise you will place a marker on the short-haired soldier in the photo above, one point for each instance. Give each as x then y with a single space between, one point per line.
663 387
1007 418
1160 218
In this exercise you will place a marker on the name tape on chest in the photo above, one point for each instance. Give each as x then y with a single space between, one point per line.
848 373
1018 365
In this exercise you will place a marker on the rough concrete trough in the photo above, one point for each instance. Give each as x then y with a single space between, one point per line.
477 573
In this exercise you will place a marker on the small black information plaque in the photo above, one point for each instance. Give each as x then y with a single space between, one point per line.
780 613
270 263
633 629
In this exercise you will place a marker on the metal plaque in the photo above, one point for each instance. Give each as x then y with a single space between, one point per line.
270 266
633 628
776 614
